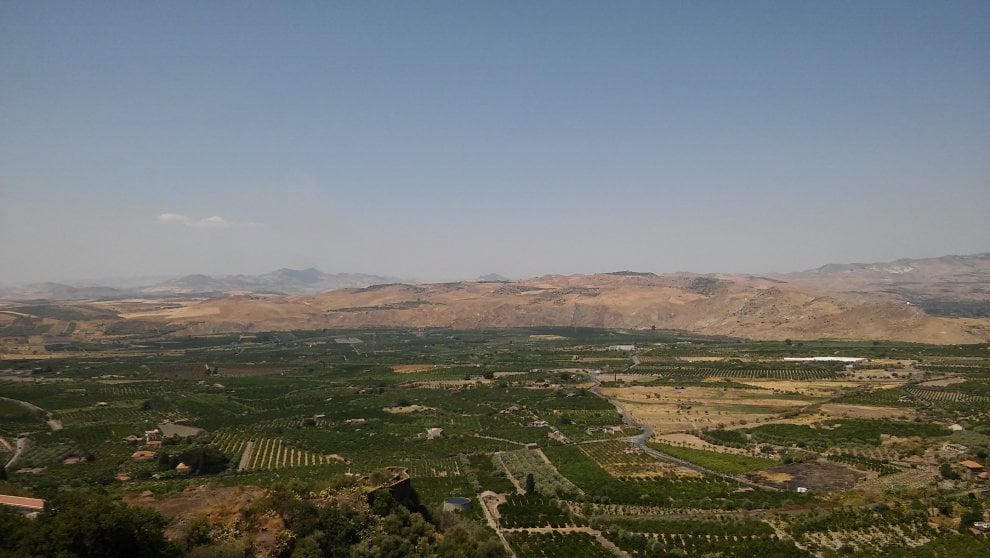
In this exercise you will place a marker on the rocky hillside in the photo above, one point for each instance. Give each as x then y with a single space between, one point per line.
941 300
957 286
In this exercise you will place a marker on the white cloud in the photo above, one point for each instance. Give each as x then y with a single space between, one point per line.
213 222
172 218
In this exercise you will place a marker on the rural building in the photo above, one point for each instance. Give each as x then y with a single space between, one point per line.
956 427
143 455
955 448
22 504
532 446
622 348
972 466
182 468
539 424
434 433
153 435
102 404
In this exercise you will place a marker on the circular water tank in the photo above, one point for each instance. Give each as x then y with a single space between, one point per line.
457 503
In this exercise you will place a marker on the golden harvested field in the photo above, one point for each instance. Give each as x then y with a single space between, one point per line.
867 412
668 409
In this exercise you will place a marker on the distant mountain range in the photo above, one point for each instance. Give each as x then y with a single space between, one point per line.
281 281
940 300
946 286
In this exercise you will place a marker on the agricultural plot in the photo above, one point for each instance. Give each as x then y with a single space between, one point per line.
865 463
666 493
266 453
621 459
721 462
708 545
677 408
535 511
696 373
556 545
547 481
863 529
285 406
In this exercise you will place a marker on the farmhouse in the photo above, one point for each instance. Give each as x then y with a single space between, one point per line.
182 468
539 424
972 466
22 504
434 433
622 348
153 435
143 455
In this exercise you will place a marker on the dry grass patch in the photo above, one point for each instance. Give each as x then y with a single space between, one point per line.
689 409
839 410
405 410
413 368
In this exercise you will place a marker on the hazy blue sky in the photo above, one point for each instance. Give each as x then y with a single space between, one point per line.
451 139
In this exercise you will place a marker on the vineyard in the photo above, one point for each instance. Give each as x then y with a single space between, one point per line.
266 453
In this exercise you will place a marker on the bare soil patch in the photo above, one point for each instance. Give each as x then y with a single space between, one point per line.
839 410
814 475
943 382
220 505
547 337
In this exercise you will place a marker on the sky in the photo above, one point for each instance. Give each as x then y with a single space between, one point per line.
446 140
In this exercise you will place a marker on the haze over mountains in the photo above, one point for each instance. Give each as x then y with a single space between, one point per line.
942 300
281 281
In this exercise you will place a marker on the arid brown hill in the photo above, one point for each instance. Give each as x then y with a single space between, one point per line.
740 306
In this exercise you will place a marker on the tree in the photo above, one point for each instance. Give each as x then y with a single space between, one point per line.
204 460
86 523
530 484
